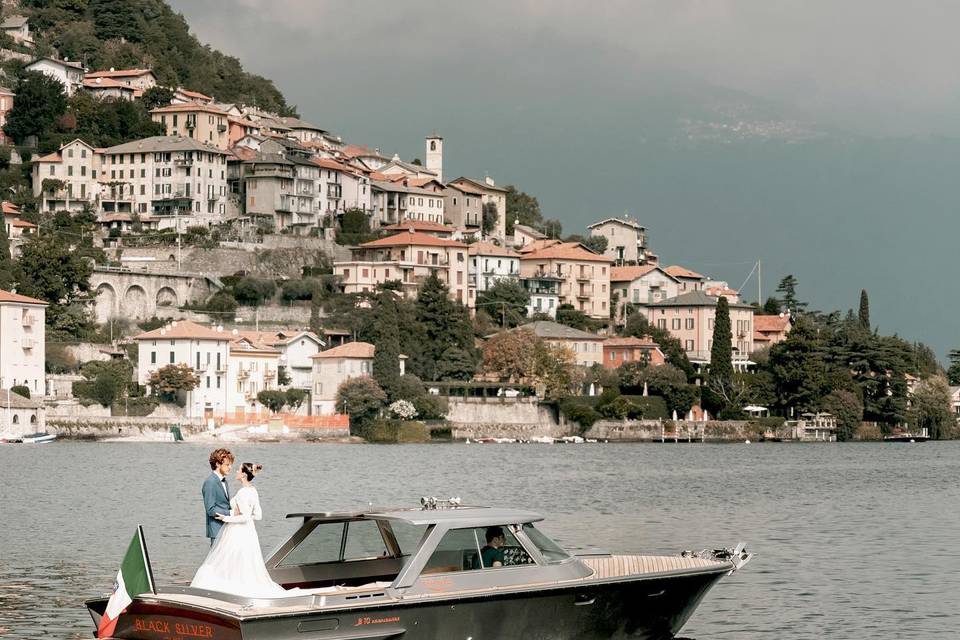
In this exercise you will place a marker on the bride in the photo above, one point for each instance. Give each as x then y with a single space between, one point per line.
235 563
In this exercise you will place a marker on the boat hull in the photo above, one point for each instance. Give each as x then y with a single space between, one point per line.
646 609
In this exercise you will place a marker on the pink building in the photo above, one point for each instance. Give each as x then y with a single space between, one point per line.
620 351
690 318
769 330
689 280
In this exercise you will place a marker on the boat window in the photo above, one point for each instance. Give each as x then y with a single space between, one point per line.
550 550
321 545
462 550
408 536
364 541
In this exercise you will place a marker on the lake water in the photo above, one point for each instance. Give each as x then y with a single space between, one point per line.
853 541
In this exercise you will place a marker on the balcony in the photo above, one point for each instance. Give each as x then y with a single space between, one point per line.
221 128
183 162
28 343
270 374
243 374
27 319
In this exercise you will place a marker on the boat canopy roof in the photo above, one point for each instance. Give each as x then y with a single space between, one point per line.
455 517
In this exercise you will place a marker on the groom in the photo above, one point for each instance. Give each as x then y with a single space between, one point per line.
216 491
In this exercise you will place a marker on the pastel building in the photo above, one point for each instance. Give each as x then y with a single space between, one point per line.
689 280
69 74
200 122
333 367
6 104
690 317
409 258
586 347
66 180
490 193
584 276
22 342
205 350
638 286
620 351
253 367
296 348
626 240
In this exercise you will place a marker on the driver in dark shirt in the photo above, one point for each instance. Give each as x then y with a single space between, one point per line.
492 554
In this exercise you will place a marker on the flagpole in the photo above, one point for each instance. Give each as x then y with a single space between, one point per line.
146 559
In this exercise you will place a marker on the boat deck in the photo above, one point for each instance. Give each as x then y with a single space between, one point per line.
604 568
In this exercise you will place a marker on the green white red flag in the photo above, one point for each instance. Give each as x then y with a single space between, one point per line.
134 578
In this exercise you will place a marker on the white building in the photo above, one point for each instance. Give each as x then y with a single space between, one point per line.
333 367
253 367
296 348
489 264
18 28
66 180
170 177
205 350
341 188
22 342
69 74
626 240
638 286
407 198
20 416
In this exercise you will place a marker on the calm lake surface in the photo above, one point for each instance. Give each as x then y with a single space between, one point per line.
853 541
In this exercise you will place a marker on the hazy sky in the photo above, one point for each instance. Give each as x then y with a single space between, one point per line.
582 105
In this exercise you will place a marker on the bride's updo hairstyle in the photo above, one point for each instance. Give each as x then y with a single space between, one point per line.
250 470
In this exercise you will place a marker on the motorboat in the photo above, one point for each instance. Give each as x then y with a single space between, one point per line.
422 573
38 438
902 436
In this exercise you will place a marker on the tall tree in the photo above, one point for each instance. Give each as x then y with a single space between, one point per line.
490 217
39 105
721 379
798 368
386 357
522 208
788 287
931 408
506 301
447 334
953 373
864 314
772 307
6 263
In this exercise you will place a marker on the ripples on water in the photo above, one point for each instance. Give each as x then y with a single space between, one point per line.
853 541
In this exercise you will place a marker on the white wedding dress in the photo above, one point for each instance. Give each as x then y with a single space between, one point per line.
235 563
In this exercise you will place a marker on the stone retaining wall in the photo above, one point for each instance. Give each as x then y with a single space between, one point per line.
111 427
517 418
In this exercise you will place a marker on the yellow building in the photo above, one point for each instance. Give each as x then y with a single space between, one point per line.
585 275
193 120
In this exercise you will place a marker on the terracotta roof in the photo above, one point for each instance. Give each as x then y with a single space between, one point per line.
629 274
536 245
355 151
274 338
329 163
184 329
466 187
418 225
105 83
51 157
481 183
244 153
23 224
243 344
530 231
630 341
10 209
348 350
119 73
193 94
726 292
566 251
490 249
421 182
771 324
241 121
682 272
406 238
8 296
188 106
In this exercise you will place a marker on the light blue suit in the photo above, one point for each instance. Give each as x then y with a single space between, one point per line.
214 501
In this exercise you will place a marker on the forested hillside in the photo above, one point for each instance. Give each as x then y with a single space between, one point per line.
145 33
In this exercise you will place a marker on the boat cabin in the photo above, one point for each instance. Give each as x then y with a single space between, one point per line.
416 550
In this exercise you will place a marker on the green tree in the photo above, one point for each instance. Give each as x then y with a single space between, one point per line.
447 334
354 228
117 19
848 410
798 368
523 208
864 314
173 379
490 217
511 355
721 352
53 271
272 399
772 307
363 400
597 244
295 398
552 228
931 408
788 287
567 314
554 369
40 103
21 390
506 301
157 97
953 373
386 357
6 262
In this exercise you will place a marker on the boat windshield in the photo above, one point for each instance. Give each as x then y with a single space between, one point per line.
550 550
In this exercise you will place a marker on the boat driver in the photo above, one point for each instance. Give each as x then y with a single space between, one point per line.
492 553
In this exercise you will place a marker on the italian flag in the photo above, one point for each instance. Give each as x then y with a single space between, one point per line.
134 578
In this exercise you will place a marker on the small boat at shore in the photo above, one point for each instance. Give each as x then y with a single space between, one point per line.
32 438
419 574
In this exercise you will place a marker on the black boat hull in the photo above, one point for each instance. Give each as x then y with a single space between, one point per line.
644 609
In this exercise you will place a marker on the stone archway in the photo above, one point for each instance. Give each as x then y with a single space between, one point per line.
135 302
167 297
105 306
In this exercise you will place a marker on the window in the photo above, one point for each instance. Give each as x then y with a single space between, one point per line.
172 357
675 324
688 324
321 545
364 541
461 549
550 550
688 345
153 357
662 323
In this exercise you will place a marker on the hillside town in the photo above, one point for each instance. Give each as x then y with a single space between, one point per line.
244 271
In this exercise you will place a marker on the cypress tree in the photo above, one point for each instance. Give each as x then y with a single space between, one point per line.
6 263
386 358
721 353
864 314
